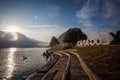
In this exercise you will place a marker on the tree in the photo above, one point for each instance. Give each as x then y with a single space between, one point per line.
73 35
116 37
54 41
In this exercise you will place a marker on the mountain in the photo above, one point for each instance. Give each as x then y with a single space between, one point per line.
8 39
61 37
72 35
40 43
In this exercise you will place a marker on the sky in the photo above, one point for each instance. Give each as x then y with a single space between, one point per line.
42 19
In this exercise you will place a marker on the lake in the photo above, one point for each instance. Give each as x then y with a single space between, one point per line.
16 63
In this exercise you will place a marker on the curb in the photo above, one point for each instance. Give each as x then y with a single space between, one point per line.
89 72
65 76
28 78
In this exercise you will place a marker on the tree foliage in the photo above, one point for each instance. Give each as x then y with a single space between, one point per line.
54 41
116 37
73 35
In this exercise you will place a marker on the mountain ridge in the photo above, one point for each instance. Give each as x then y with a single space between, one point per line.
8 39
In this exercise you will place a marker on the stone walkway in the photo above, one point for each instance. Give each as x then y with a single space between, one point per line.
76 71
65 66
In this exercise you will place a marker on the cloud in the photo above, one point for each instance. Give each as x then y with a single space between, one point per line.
83 13
53 10
78 2
40 32
96 14
90 9
112 15
43 26
2 16
111 9
84 16
3 19
35 17
44 32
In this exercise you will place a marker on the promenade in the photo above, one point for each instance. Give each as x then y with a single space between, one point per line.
65 65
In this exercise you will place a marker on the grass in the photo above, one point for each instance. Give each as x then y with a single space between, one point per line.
102 60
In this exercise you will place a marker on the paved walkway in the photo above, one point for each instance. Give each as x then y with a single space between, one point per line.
76 71
64 66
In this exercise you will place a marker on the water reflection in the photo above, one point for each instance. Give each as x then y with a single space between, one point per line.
10 63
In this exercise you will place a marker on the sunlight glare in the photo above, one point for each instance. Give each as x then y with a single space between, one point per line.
12 29
15 37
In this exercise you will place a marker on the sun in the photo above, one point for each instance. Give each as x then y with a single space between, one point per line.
12 29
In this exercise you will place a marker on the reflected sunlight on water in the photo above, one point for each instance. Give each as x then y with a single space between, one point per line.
10 63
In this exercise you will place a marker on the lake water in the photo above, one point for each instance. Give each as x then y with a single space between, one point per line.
18 62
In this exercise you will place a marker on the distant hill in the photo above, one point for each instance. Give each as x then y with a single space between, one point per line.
8 39
72 34
61 37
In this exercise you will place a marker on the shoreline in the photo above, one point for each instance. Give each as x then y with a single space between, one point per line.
45 67
14 65
50 69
